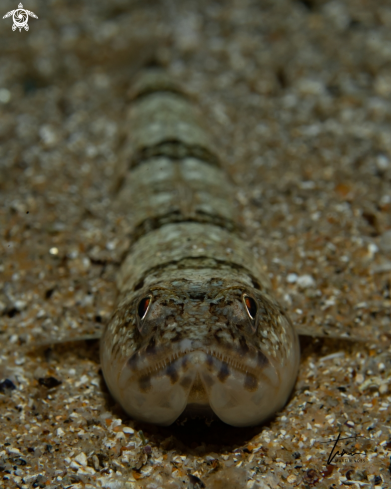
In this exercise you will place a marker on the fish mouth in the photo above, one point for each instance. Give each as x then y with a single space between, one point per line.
242 387
157 387
143 363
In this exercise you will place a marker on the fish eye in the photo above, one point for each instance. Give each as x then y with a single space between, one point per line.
251 309
143 307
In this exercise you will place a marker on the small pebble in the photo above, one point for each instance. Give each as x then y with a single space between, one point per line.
385 242
5 96
291 278
359 378
49 382
305 281
7 386
81 459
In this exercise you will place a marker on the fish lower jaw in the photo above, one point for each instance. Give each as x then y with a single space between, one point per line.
199 379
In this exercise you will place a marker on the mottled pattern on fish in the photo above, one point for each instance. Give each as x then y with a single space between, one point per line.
196 326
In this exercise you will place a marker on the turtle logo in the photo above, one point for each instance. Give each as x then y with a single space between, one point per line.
20 17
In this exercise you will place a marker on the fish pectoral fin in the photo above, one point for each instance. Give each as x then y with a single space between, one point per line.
341 334
47 343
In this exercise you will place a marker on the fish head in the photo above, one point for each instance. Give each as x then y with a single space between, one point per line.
213 346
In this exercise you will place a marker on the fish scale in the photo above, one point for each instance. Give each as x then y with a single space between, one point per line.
196 328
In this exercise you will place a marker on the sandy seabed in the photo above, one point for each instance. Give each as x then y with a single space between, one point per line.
298 98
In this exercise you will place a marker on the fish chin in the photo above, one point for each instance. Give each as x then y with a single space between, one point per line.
247 399
153 399
240 391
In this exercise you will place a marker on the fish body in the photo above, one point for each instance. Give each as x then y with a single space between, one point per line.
196 325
